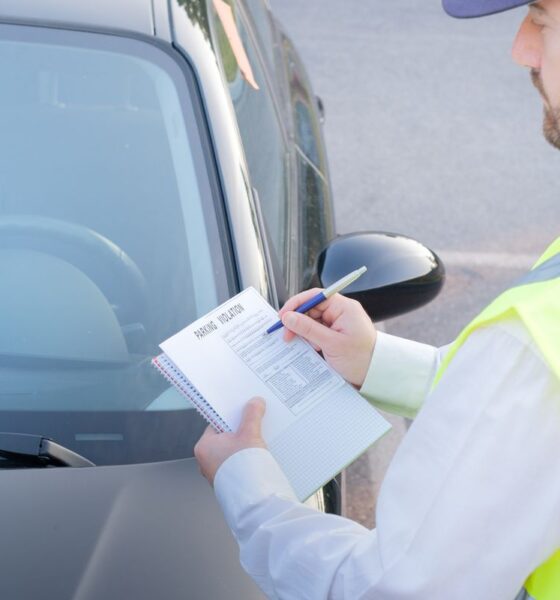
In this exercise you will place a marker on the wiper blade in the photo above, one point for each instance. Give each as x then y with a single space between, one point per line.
27 450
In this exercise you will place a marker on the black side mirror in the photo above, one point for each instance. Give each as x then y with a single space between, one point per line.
402 274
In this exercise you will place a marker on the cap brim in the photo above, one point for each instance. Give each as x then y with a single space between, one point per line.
464 9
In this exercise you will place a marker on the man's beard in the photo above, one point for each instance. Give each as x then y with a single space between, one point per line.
551 120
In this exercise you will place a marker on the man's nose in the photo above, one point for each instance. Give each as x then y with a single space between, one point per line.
526 50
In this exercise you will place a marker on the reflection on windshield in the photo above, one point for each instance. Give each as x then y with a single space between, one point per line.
107 245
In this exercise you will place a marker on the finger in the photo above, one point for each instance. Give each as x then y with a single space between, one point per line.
209 432
340 306
314 314
200 446
299 299
288 335
311 330
252 418
335 311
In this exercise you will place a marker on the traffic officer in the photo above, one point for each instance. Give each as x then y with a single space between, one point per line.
470 506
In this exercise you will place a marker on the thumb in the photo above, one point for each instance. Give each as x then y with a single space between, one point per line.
252 418
313 331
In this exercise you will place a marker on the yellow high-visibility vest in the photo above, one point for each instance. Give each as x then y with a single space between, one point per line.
535 301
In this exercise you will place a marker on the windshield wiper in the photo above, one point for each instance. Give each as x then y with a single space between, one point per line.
27 450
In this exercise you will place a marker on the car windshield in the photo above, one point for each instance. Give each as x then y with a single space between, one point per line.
109 240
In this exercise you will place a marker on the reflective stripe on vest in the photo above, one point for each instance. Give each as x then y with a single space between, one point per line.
549 269
524 595
535 301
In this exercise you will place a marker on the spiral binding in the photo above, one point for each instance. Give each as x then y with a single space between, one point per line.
174 375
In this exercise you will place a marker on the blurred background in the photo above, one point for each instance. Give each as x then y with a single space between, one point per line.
433 132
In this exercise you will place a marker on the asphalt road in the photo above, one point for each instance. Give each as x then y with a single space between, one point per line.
432 132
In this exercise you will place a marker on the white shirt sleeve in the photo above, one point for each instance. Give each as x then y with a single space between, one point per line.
470 505
400 374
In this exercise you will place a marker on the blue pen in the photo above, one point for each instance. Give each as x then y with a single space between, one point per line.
322 296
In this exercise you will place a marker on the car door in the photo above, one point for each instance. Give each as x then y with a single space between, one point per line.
262 132
312 212
280 130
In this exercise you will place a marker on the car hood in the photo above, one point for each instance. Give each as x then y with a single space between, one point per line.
136 531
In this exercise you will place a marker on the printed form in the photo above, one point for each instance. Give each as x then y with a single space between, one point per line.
230 359
315 423
294 372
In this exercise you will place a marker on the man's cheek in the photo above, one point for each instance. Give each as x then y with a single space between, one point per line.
551 87
550 67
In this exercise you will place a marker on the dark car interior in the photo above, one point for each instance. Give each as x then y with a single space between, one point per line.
94 257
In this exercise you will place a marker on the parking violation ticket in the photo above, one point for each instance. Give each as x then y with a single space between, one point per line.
315 423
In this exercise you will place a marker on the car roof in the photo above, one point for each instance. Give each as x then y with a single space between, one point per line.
130 15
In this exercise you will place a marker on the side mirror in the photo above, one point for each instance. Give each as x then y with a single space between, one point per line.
402 274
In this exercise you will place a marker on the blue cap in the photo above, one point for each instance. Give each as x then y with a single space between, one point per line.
478 8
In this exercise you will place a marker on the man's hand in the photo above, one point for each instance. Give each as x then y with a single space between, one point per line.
213 448
339 327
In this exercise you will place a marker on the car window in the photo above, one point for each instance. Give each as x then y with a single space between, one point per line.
109 240
262 19
261 132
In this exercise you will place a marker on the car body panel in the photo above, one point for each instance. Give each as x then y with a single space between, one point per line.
145 530
162 22
315 221
191 36
127 15
116 532
148 530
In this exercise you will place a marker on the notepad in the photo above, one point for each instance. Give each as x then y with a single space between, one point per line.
315 422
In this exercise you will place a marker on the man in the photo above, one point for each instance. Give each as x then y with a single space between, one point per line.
470 507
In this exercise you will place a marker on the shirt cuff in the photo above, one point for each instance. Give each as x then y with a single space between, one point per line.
400 374
247 478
